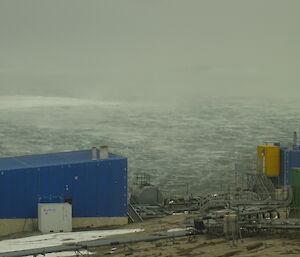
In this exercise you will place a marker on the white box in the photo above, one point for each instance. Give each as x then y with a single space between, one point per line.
54 217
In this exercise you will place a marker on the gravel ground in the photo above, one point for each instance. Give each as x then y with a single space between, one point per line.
287 244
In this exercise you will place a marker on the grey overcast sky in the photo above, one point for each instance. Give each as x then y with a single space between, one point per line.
154 49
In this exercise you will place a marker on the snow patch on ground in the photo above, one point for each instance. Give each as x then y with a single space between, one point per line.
56 239
177 229
65 254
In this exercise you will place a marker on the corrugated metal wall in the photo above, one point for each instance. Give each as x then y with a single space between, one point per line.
289 158
96 189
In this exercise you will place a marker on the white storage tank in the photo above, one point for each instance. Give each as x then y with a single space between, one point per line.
54 217
147 195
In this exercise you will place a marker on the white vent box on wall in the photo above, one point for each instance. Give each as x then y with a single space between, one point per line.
54 217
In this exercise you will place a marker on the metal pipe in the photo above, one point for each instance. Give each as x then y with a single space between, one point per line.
295 140
94 153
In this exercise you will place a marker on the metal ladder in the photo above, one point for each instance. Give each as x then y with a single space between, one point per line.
133 215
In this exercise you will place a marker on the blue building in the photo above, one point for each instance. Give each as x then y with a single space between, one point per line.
289 159
96 188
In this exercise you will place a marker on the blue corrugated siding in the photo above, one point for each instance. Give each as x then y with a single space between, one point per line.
97 189
288 159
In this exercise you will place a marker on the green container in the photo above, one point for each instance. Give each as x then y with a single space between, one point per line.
295 182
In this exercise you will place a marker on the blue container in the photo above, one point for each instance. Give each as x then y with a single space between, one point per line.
289 159
96 188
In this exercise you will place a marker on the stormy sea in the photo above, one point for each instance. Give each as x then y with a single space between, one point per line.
188 147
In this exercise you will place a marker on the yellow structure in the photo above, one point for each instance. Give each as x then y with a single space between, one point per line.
268 160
